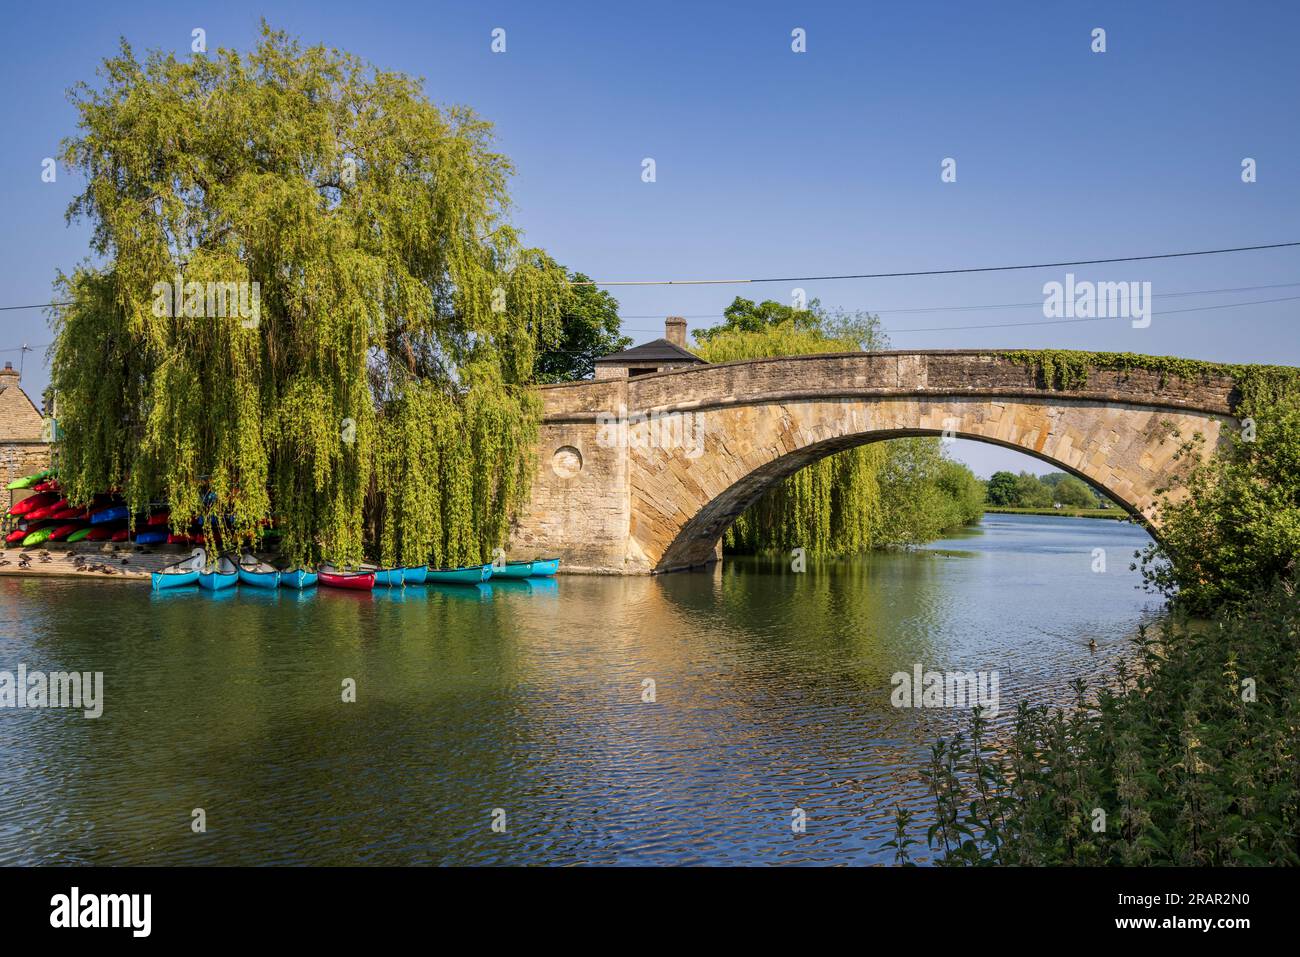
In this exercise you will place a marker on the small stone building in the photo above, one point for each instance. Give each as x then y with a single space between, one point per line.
23 445
658 356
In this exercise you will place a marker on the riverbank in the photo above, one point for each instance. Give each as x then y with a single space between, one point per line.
1115 514
100 560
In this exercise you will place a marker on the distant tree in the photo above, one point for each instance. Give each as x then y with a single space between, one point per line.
1074 492
852 327
1002 489
589 328
1031 493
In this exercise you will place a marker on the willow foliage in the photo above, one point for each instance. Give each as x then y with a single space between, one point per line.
833 506
378 399
887 493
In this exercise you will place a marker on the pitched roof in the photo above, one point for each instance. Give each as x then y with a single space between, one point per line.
20 420
658 351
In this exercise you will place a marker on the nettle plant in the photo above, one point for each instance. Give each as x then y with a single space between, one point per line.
374 225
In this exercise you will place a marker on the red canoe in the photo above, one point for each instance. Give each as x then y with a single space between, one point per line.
355 581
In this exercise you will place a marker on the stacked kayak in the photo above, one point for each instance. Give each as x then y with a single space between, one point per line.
27 481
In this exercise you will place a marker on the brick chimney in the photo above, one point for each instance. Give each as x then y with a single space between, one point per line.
8 376
675 330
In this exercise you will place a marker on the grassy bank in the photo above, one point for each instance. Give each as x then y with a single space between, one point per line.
1113 513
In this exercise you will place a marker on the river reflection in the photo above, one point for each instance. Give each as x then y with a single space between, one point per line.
771 691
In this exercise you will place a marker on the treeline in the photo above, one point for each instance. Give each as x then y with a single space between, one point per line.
900 492
1008 490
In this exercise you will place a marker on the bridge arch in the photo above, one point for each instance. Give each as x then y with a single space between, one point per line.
638 506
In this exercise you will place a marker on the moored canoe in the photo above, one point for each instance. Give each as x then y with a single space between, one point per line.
545 567
223 575
387 577
415 576
179 574
512 570
357 581
258 574
470 575
297 578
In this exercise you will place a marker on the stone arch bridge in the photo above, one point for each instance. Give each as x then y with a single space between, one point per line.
645 474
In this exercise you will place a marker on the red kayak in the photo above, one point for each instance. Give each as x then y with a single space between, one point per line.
63 531
68 514
100 534
16 536
158 518
121 535
33 502
354 580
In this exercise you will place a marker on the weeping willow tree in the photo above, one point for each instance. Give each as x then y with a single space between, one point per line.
832 507
372 392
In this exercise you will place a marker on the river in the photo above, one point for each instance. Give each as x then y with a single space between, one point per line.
525 706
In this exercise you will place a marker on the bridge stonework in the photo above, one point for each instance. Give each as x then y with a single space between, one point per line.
608 506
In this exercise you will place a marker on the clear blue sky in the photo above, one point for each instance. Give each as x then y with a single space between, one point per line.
771 163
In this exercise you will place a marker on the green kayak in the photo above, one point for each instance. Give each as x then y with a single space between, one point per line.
79 534
27 481
38 536
460 576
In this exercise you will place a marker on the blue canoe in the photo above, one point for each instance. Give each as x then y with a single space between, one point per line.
118 513
415 576
297 578
545 567
513 570
391 577
224 575
179 574
470 575
258 574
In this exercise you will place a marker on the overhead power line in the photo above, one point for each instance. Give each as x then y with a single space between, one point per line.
934 272
1037 304
1053 322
